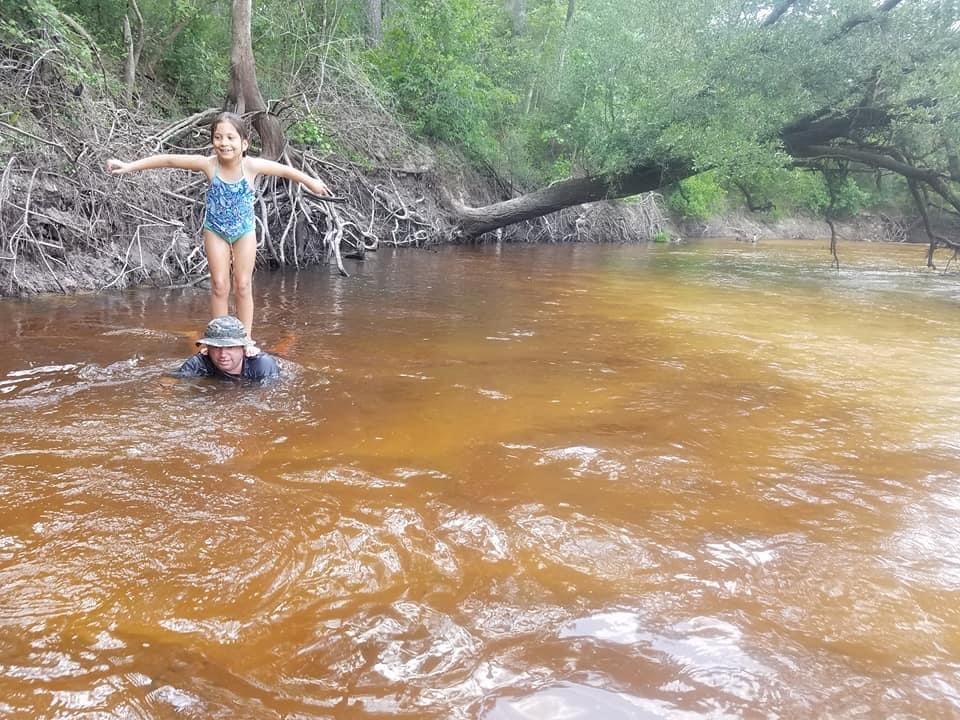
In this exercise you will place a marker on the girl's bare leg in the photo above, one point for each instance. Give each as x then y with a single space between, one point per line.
244 259
218 262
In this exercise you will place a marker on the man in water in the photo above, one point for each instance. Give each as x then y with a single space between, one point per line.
225 341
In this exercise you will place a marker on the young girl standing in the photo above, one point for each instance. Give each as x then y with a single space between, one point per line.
228 227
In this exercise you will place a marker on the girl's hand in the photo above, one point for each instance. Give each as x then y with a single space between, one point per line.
318 187
116 167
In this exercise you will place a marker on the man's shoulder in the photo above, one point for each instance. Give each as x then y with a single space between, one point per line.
260 366
197 365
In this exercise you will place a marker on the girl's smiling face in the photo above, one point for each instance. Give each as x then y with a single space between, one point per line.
227 141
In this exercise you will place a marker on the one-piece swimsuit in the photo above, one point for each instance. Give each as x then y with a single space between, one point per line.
230 213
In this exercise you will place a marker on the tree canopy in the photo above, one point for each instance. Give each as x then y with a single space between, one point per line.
750 90
612 97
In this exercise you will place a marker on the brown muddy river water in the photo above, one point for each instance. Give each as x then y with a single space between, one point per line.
710 480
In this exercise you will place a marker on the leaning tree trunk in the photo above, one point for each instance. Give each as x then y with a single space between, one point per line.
244 94
800 139
575 191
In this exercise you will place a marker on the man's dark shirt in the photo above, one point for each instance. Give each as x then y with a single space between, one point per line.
258 367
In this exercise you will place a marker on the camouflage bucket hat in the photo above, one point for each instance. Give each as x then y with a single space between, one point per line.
225 331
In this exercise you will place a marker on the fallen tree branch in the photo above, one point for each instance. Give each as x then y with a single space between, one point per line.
36 138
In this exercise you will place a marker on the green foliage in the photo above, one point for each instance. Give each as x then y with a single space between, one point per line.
38 28
616 85
706 84
309 132
697 197
193 63
439 60
562 169
797 190
846 197
196 69
787 191
20 20
103 19
293 41
196 65
777 190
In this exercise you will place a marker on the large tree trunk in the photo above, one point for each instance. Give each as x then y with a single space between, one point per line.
575 191
130 66
244 94
802 139
374 22
517 10
134 44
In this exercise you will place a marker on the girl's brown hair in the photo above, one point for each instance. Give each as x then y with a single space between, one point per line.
238 123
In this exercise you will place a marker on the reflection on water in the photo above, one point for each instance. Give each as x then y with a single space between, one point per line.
696 481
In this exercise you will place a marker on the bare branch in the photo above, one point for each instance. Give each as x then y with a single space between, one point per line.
777 12
855 20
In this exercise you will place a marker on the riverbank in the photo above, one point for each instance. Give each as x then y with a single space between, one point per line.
68 226
867 227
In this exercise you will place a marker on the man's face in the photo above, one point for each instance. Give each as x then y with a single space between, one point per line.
227 359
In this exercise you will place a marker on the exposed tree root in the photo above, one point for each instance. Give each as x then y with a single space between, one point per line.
147 228
67 225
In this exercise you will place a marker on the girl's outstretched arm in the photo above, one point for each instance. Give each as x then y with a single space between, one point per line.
269 167
197 163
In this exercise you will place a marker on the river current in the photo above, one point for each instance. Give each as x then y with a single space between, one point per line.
707 480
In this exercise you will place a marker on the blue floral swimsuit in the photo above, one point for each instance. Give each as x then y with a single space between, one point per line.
229 208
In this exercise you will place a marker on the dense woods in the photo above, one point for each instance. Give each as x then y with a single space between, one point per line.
453 118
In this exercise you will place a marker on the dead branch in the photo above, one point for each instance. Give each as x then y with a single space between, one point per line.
36 138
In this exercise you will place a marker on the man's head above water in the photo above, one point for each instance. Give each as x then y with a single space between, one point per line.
228 354
226 342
